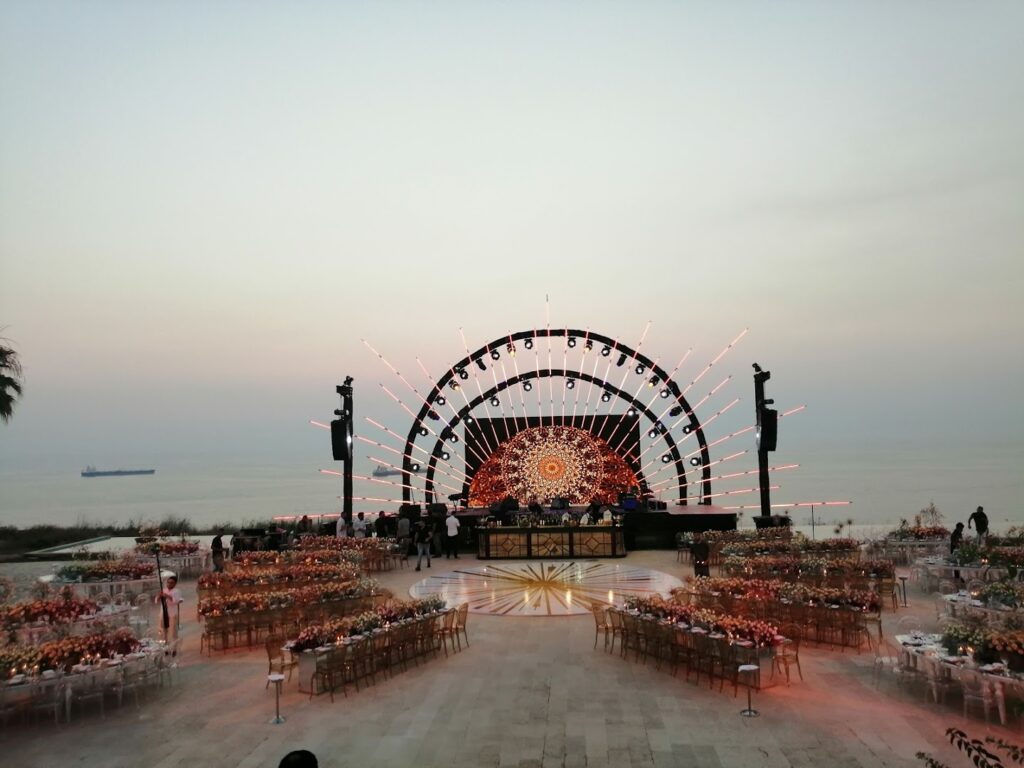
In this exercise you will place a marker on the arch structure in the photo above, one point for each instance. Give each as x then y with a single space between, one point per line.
646 391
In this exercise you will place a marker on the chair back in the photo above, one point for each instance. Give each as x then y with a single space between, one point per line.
273 645
600 615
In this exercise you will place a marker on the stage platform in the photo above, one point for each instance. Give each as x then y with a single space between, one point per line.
642 529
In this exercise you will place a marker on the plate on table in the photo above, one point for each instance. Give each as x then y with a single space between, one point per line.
16 680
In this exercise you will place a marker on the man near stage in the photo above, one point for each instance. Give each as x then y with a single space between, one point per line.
980 520
701 555
451 540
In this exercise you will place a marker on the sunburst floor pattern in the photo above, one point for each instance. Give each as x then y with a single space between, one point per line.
542 588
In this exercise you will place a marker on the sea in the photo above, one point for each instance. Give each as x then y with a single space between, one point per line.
886 481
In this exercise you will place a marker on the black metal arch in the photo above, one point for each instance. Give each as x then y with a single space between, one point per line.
428 410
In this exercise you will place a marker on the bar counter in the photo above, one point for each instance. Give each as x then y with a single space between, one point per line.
518 543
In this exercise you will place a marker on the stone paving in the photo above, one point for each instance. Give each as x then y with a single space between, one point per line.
529 692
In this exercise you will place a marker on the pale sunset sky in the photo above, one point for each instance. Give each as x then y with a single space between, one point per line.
204 207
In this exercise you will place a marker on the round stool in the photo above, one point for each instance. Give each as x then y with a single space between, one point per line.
747 669
276 679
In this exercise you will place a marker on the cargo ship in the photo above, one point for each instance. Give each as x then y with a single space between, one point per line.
93 472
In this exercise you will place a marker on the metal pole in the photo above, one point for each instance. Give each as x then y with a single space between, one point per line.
760 377
812 522
345 390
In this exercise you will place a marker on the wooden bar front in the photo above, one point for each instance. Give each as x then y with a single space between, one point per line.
545 542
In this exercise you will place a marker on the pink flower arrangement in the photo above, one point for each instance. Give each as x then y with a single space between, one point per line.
756 631
282 575
253 602
334 630
172 547
50 611
126 568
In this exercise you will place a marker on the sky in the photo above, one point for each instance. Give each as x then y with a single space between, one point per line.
206 207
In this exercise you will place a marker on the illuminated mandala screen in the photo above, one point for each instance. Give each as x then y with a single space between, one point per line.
581 459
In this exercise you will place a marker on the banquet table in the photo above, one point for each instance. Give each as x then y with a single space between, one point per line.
109 616
961 604
1003 683
27 690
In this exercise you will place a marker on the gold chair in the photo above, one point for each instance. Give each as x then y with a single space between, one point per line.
788 653
461 617
445 630
601 623
276 662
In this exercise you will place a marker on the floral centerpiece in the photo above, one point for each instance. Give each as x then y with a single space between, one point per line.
65 653
61 610
756 631
295 556
171 547
284 575
125 568
335 630
251 602
1008 593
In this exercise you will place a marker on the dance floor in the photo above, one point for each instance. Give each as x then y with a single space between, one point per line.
544 588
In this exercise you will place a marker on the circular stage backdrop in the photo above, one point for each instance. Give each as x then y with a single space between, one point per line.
542 588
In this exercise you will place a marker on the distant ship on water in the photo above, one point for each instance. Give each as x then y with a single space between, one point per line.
381 471
93 472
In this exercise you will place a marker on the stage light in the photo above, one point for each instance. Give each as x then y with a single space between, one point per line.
454 385
588 345
414 467
527 385
664 393
453 439
652 432
528 343
511 349
631 412
495 402
469 419
572 341
666 458
622 360
462 374
606 350
605 397
640 368
687 429
445 455
480 364
570 384
694 462
495 354
432 415
675 411
441 400
424 431
653 382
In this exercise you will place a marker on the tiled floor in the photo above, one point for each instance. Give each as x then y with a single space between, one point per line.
528 692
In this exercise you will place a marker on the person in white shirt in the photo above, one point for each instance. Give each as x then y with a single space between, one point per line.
359 526
585 518
451 541
167 616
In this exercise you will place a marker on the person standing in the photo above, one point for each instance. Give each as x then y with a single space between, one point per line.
422 539
217 549
956 538
701 554
980 520
380 525
359 526
451 541
167 617
404 536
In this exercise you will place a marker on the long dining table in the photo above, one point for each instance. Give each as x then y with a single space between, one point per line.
1003 683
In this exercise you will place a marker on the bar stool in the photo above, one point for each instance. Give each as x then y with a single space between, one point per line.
748 669
276 679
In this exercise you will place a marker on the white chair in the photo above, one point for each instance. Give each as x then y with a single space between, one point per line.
976 690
